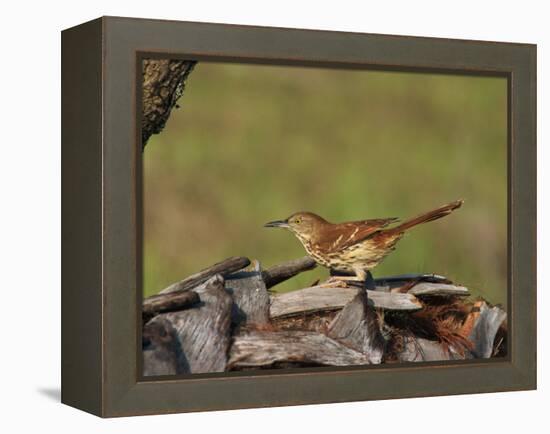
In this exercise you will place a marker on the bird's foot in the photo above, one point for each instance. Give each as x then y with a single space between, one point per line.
339 281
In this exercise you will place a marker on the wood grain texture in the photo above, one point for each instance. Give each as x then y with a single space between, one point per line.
485 328
417 349
203 332
392 301
357 327
223 268
322 298
250 297
427 288
265 349
399 279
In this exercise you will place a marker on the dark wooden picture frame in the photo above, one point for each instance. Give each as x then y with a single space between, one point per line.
101 215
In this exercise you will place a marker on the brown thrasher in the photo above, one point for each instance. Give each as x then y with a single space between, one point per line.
357 246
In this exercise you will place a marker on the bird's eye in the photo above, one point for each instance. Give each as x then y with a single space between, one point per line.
298 221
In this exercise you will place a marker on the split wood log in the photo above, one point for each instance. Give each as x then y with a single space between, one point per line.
357 327
203 332
486 324
160 349
400 278
169 302
279 273
163 85
268 349
392 301
324 298
416 349
250 297
224 268
427 288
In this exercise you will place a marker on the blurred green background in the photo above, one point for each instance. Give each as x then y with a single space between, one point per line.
254 143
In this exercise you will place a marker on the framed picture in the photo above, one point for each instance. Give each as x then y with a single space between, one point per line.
261 217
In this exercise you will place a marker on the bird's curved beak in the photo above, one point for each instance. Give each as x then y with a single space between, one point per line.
277 224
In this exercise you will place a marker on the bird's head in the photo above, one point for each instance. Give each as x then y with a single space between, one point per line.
304 225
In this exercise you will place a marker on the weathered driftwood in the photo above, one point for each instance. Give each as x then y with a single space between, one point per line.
250 297
320 298
357 327
427 288
281 272
163 85
169 302
203 332
309 300
415 349
485 327
160 349
224 268
322 325
267 349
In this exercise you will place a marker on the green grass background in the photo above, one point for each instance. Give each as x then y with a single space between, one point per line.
253 143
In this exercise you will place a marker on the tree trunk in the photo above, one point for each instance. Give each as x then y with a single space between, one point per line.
163 85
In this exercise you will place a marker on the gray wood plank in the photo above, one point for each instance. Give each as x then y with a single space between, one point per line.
393 301
427 288
322 298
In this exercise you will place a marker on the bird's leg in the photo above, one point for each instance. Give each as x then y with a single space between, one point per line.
369 281
340 281
365 276
337 279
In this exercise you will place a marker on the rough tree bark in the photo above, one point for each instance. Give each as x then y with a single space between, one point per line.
163 85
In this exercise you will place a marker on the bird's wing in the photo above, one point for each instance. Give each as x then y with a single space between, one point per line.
343 235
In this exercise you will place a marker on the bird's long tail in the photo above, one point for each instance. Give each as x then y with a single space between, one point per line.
427 217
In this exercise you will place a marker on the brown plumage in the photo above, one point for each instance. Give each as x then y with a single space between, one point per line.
356 246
